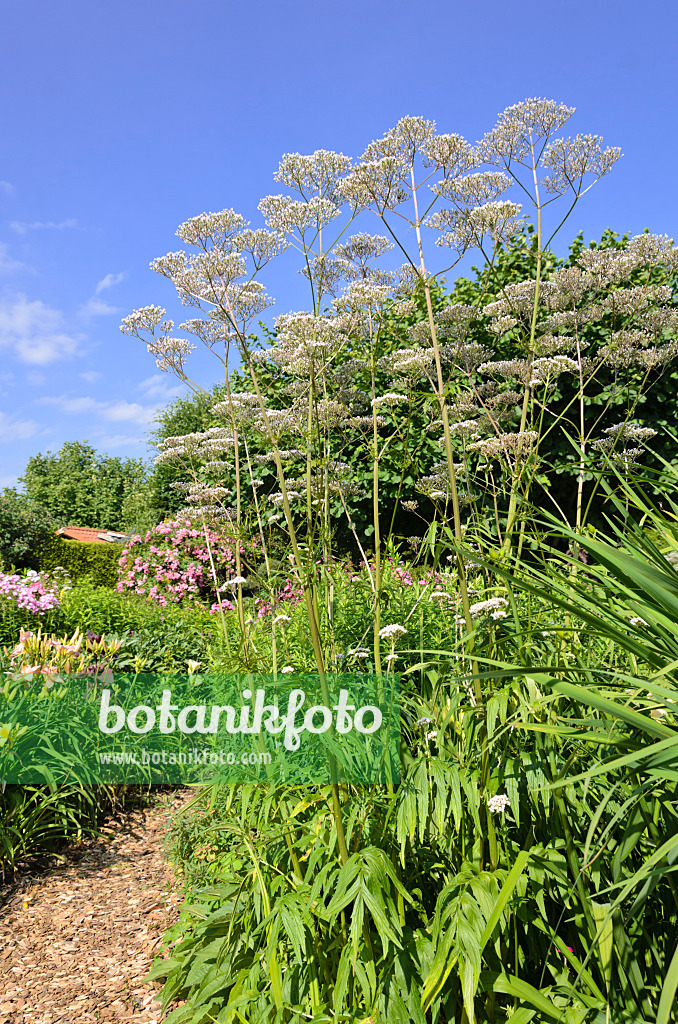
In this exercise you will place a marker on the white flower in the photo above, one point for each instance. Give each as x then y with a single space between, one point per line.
287 668
233 583
498 804
637 621
281 618
193 666
432 734
424 721
493 606
388 399
391 631
391 657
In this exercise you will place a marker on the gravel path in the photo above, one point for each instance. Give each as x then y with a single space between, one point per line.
77 940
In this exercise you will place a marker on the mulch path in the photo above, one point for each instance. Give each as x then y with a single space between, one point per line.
77 939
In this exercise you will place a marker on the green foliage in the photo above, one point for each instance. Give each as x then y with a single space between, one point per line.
561 908
78 487
164 637
26 531
182 416
39 819
83 560
649 399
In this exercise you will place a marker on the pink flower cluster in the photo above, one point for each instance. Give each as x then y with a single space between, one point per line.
34 592
173 562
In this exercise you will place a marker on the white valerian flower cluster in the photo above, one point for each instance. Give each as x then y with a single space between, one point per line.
237 581
241 407
145 319
501 325
314 175
200 445
519 128
304 343
493 606
498 803
545 369
324 273
404 307
394 630
615 445
389 399
170 353
571 160
509 369
285 215
518 445
215 229
504 400
473 189
365 296
199 491
465 428
556 344
409 362
358 254
461 230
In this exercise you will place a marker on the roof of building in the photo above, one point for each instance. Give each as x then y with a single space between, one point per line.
91 535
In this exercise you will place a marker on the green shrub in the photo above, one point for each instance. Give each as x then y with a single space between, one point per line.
26 530
104 611
83 560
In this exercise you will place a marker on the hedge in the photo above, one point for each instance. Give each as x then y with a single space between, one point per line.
83 560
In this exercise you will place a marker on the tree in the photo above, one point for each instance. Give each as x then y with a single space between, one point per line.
80 487
25 529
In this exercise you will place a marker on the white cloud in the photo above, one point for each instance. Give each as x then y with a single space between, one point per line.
161 387
7 264
7 188
34 331
71 405
96 307
16 430
115 412
35 378
22 226
130 411
91 376
105 442
110 281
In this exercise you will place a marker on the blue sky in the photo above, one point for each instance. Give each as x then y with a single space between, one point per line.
120 121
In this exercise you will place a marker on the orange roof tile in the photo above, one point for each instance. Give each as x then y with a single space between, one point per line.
89 534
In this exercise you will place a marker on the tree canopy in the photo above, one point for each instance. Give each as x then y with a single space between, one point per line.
78 486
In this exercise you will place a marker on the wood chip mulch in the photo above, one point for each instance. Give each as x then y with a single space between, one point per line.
77 940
